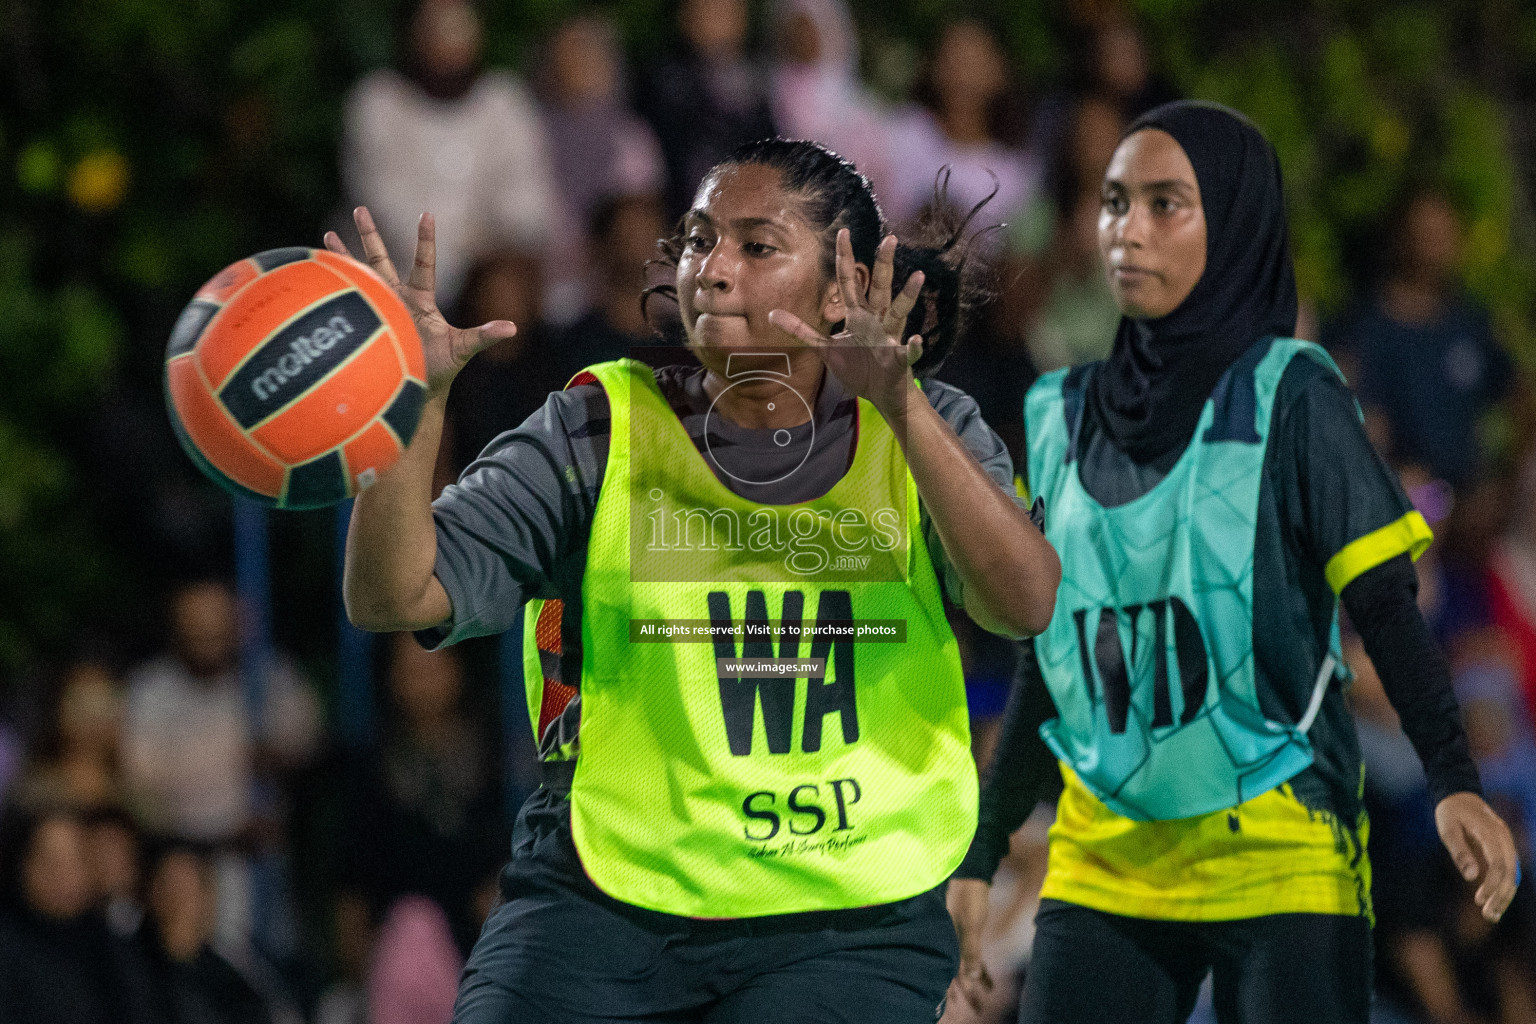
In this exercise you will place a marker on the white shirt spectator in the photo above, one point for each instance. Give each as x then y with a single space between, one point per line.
188 743
479 163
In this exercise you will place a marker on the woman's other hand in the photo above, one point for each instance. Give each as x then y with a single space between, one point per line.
446 348
869 355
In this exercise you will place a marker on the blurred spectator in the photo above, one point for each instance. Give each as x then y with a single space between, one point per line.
1094 132
112 848
77 761
971 119
190 745
1077 322
1439 959
1462 969
816 89
193 752
345 1000
1053 306
1075 319
58 962
1450 581
601 148
425 811
1428 361
415 973
1511 582
198 982
504 384
624 232
706 99
447 137
1120 71
1500 739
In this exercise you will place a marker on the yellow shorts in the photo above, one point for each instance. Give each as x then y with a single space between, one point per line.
1268 855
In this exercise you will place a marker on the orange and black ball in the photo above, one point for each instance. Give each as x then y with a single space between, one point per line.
295 377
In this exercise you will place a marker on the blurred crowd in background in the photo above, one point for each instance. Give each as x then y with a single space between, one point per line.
189 835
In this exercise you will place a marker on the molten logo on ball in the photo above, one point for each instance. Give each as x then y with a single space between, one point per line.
303 351
297 356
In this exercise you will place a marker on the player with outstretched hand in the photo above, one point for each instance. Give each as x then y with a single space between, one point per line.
1214 497
757 824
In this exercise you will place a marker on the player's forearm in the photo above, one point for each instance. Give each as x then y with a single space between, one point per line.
1021 766
1009 570
1382 605
388 582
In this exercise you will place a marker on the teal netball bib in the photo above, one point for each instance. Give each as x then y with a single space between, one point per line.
1149 657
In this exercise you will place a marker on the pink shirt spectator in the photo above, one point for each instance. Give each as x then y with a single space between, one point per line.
415 975
817 94
922 150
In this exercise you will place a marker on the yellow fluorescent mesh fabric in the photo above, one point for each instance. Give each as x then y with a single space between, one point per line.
705 791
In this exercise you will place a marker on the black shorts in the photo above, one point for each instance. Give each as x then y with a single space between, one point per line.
1089 967
553 953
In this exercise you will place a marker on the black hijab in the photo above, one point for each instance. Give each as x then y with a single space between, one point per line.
1151 389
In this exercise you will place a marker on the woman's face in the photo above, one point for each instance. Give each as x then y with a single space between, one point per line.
446 35
969 68
56 877
714 26
583 62
90 711
1151 225
801 41
748 250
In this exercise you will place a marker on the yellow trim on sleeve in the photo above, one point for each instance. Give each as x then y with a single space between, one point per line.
1410 534
1021 487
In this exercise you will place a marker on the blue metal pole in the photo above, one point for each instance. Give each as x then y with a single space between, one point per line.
354 657
253 587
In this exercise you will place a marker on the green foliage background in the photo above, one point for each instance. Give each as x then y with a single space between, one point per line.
145 144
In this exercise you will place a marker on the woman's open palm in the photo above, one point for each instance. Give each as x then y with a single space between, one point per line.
446 348
869 355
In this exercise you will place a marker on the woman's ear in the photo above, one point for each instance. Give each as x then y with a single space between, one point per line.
833 309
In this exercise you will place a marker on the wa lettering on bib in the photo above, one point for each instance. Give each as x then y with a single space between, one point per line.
773 715
1149 657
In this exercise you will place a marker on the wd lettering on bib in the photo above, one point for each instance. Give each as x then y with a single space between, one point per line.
834 692
297 357
1148 663
1163 584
